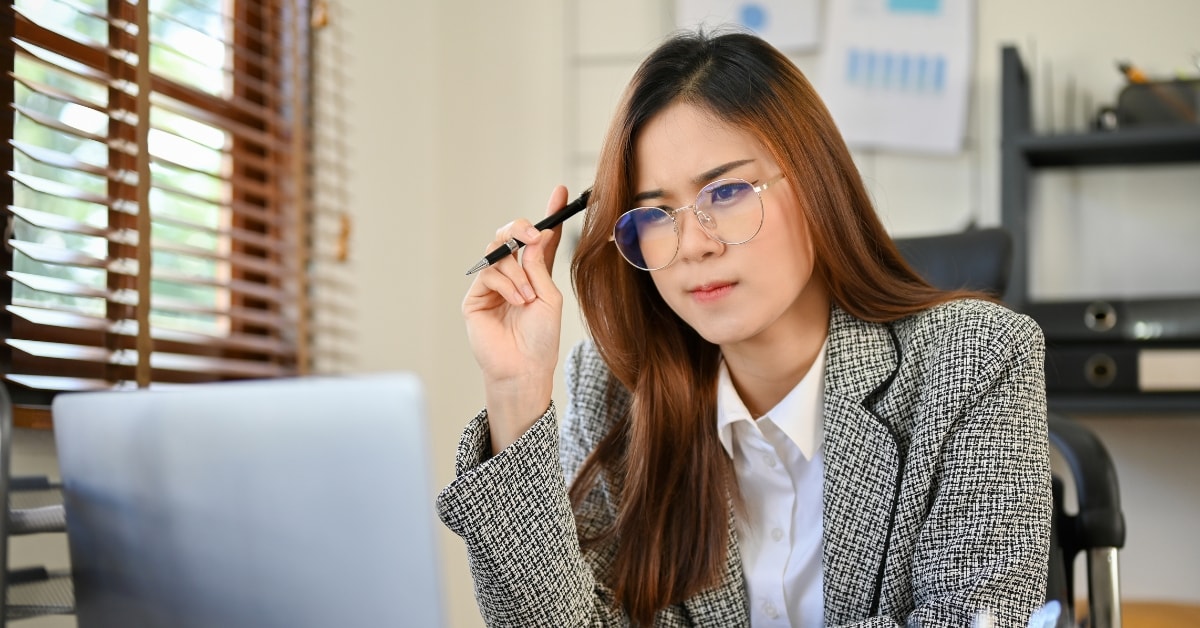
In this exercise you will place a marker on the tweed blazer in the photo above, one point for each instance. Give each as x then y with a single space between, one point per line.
936 498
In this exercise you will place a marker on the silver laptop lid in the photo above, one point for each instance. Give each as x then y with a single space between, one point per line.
289 503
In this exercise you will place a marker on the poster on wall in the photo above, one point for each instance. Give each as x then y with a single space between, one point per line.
790 25
895 74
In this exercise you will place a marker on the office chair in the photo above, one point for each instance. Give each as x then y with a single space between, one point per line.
979 259
33 505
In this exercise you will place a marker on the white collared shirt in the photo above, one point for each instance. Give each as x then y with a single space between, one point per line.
779 469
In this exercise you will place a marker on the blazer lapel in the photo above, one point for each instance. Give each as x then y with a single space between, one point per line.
862 464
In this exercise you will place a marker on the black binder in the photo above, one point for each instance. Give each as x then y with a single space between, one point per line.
1091 367
1122 367
1101 320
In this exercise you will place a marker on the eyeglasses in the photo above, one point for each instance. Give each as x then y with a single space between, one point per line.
729 210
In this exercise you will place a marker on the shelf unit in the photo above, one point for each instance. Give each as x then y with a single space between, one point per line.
1022 153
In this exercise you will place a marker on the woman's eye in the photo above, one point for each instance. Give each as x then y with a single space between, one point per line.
726 193
656 217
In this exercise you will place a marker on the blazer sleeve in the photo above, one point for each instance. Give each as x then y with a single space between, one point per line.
984 546
514 515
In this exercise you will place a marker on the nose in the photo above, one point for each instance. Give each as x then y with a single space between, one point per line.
694 242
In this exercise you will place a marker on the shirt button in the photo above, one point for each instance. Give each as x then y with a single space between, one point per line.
770 610
769 460
777 534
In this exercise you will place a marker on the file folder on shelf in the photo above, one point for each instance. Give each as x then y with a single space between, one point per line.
1103 320
1123 367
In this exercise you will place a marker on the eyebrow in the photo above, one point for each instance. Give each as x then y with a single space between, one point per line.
705 177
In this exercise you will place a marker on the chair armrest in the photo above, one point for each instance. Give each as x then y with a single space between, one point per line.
1100 522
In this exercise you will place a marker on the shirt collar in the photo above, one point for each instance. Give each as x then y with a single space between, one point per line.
800 414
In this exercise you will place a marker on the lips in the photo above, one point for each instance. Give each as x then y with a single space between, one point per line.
709 292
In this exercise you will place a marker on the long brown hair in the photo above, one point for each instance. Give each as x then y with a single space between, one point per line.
672 479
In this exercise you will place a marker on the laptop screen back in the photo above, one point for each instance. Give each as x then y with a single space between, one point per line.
287 503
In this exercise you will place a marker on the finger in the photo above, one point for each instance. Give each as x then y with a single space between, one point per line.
558 199
507 277
536 268
480 298
520 230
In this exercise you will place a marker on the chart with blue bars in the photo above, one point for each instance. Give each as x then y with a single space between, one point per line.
900 71
904 71
895 74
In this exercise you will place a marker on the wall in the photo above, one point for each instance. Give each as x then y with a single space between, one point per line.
455 129
464 114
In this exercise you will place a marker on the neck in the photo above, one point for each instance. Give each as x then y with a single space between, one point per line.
767 367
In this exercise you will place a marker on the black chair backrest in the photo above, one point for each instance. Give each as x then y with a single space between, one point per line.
976 259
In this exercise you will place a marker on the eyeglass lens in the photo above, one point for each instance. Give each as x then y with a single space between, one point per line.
729 210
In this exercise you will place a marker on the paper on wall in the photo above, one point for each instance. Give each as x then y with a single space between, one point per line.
896 73
790 25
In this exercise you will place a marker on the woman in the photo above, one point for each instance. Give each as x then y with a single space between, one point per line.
776 421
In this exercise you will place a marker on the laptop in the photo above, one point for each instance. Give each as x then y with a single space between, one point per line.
285 503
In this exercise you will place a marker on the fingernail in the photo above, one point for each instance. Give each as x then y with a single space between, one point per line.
528 293
530 234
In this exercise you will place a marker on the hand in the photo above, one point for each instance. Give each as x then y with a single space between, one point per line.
513 312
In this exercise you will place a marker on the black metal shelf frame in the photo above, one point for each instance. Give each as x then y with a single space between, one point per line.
1022 153
1123 147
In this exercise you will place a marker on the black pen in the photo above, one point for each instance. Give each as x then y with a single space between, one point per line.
549 222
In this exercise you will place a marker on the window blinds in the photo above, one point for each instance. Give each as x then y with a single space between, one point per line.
156 227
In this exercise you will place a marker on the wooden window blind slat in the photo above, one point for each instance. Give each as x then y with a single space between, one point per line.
223 366
126 266
163 361
66 287
257 317
255 36
257 290
51 383
242 236
55 222
59 318
57 256
50 91
240 114
199 343
43 316
60 160
247 54
63 287
57 189
262 265
231 117
72 288
250 185
125 236
84 52
66 257
71 131
74 353
227 70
